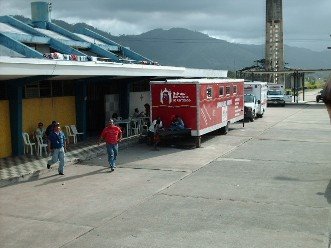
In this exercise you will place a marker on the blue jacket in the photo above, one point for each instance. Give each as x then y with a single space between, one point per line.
57 140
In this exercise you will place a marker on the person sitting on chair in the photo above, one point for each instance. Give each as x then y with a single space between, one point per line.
115 116
136 113
40 131
177 123
153 131
147 109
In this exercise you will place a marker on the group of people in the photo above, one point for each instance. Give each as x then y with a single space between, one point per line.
146 113
157 127
112 135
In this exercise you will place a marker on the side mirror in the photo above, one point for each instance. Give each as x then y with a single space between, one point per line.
258 101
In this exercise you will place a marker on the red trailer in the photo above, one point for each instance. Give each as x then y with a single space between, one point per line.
204 105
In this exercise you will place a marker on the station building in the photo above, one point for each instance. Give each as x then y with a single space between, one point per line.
49 73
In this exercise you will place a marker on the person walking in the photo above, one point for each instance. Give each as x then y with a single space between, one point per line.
326 96
57 147
112 135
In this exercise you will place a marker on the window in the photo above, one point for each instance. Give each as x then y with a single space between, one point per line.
32 90
234 89
49 89
221 91
209 92
45 89
227 90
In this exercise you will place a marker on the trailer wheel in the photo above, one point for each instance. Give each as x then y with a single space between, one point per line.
198 141
225 130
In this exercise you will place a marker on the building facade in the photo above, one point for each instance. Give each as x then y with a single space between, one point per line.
49 73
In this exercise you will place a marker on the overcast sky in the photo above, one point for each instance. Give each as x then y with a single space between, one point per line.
307 23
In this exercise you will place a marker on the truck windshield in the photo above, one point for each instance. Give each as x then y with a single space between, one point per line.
249 98
274 92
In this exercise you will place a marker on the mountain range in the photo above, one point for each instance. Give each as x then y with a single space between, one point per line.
183 47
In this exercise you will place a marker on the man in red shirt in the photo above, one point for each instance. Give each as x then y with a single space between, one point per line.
112 135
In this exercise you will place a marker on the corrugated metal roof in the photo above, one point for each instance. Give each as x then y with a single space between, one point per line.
90 39
4 27
53 34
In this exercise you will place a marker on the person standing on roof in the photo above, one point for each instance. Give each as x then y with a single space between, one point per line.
112 135
57 145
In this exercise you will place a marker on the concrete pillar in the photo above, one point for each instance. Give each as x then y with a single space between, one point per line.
81 107
124 99
15 93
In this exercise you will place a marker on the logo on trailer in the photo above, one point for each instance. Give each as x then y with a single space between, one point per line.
165 96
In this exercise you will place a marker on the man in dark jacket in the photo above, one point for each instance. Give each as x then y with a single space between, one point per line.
50 128
57 145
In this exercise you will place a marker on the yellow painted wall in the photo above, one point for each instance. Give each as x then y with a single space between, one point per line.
45 110
5 137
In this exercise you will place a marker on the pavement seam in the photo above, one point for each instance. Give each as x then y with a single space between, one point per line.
153 169
44 220
243 201
296 140
271 160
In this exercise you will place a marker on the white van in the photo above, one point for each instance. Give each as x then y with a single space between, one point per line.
255 99
276 94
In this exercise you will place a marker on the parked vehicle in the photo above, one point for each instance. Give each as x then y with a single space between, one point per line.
319 96
255 99
204 105
276 94
251 106
288 97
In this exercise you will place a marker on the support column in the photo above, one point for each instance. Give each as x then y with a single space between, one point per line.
81 99
15 93
303 85
124 100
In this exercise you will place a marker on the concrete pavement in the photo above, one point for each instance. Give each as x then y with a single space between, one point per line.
265 185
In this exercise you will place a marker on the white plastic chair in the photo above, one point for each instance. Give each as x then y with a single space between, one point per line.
70 134
134 127
41 145
74 131
28 143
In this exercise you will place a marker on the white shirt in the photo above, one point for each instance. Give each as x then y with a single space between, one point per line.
151 127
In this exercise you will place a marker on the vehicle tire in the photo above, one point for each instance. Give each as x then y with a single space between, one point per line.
283 105
253 117
317 99
225 130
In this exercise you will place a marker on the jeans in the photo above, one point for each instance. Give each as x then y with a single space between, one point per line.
58 155
112 150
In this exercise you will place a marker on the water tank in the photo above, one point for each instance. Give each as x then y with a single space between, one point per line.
40 14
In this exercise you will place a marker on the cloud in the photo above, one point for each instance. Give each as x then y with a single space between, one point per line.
306 22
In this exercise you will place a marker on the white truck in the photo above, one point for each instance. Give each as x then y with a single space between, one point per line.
276 94
255 99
